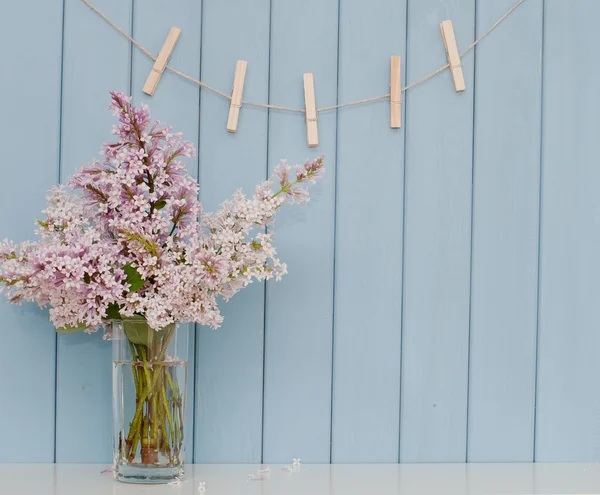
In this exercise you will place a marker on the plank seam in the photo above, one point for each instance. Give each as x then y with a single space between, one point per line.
196 326
539 246
264 335
405 113
474 127
60 121
335 210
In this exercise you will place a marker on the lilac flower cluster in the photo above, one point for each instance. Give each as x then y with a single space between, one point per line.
128 236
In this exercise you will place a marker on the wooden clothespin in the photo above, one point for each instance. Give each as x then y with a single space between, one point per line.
161 61
310 107
453 55
236 95
395 93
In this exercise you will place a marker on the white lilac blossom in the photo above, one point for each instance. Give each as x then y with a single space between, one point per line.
127 235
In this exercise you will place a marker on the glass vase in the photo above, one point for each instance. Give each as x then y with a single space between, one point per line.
149 400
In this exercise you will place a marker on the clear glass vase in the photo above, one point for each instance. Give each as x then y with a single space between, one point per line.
149 400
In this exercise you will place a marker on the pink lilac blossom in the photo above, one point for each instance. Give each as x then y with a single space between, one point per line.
128 235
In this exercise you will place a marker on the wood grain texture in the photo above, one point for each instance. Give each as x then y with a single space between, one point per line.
368 295
568 403
91 70
297 393
175 102
230 360
505 235
30 85
437 230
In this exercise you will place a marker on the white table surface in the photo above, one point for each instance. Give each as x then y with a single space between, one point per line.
315 479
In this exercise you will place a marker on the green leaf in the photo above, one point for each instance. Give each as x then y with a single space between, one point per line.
138 331
86 278
159 205
112 312
134 279
72 328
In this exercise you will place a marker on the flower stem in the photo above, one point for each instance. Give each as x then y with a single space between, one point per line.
153 419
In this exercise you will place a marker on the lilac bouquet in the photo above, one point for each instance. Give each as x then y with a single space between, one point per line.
135 241
126 245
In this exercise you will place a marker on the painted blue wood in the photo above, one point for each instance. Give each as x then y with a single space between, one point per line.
466 321
437 240
91 69
29 110
505 234
568 402
230 360
298 347
176 102
366 391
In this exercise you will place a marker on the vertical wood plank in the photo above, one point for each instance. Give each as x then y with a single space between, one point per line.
568 402
230 359
91 69
28 338
176 102
439 129
297 402
505 234
366 373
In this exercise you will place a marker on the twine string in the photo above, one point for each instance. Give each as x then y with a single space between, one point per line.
300 110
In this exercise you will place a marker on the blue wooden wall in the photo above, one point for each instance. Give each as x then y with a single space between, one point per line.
446 273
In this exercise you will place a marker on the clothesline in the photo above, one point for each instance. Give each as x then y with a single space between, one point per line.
300 110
